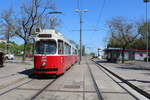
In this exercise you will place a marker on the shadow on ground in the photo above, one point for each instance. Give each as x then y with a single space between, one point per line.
30 73
128 66
146 73
134 68
136 80
105 62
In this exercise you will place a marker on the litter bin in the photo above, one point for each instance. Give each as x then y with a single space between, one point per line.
1 59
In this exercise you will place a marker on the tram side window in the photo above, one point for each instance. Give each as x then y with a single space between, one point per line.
73 51
60 47
67 49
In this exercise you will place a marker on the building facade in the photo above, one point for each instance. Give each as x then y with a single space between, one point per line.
114 54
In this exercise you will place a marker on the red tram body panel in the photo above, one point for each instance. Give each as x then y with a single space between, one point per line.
53 64
48 58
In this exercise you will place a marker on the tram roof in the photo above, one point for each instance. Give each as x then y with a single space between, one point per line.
56 35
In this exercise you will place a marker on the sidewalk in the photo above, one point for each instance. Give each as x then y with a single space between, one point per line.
13 72
138 73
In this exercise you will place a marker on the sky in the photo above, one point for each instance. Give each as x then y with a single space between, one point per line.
99 12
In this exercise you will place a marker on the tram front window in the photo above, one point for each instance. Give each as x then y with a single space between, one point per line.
46 47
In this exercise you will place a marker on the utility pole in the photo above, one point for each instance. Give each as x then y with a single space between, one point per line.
81 22
98 51
147 43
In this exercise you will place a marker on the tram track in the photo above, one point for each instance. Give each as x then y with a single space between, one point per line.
13 83
98 92
7 76
3 86
18 87
138 90
5 92
42 90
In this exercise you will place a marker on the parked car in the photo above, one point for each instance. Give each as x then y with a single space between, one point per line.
9 56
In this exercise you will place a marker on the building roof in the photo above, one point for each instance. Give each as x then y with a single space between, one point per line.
2 39
126 50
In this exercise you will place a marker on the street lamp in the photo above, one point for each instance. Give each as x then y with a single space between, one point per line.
80 14
146 1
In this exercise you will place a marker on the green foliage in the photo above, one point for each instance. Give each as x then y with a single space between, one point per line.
142 29
16 49
29 48
92 54
126 35
114 43
123 34
139 44
2 47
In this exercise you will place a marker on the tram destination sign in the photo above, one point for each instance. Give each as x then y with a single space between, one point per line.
45 35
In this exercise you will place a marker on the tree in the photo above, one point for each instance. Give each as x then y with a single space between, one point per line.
139 44
2 47
14 48
31 16
92 54
142 29
7 26
122 33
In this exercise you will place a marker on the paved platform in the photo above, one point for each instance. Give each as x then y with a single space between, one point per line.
75 84
136 72
109 88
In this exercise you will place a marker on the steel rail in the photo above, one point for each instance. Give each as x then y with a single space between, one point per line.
98 92
15 87
3 77
44 88
142 92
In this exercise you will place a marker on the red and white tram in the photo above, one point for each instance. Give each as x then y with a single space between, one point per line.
54 54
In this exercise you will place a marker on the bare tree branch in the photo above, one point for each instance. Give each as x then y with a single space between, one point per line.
123 32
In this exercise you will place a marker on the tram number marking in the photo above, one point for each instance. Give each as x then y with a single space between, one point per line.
44 59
